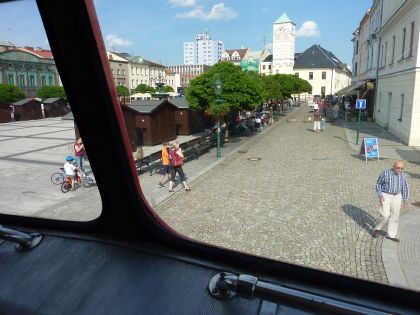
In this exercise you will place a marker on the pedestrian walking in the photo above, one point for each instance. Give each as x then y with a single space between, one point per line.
176 158
165 164
79 152
392 189
336 110
317 120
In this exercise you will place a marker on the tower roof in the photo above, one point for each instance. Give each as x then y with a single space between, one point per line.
283 19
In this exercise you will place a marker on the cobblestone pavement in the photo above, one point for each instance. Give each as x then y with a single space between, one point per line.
310 200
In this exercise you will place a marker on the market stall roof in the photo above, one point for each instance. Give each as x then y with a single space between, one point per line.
352 87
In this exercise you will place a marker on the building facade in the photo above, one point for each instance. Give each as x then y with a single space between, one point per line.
119 69
203 50
386 57
323 70
398 90
187 73
29 69
283 45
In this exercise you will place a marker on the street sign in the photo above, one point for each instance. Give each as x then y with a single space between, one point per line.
361 103
370 148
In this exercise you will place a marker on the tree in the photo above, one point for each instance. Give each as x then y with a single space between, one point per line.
10 93
281 86
144 88
122 91
52 91
168 88
240 90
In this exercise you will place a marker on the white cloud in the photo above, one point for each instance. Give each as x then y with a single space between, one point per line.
113 40
308 29
218 12
181 3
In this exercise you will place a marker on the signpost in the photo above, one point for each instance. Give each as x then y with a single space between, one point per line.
360 104
370 148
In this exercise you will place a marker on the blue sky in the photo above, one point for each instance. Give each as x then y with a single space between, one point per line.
157 29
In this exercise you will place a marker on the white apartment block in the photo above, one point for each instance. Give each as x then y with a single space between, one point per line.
203 51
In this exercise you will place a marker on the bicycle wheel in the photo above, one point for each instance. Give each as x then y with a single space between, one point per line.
65 186
57 178
88 182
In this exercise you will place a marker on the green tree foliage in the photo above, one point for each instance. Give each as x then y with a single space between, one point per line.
281 86
240 90
122 91
10 93
144 88
51 91
168 88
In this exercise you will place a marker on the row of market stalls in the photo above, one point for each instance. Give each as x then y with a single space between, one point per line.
151 122
31 108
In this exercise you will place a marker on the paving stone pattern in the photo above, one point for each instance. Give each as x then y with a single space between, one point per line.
310 200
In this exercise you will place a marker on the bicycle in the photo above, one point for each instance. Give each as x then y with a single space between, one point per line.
57 178
79 181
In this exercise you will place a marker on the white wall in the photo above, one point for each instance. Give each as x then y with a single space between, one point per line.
335 79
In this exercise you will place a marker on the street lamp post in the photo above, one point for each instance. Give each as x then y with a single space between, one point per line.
218 91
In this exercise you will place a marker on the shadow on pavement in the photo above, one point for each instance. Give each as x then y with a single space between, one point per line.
361 217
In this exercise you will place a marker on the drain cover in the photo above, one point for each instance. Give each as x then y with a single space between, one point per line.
254 159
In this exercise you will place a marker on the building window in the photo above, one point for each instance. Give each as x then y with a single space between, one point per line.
386 52
269 67
21 80
355 69
263 67
50 81
324 75
322 91
403 44
132 83
31 80
118 72
382 56
43 80
297 74
311 75
411 40
380 102
393 50
357 47
112 71
11 79
402 107
123 72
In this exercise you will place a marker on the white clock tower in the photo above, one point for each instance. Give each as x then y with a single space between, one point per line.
283 45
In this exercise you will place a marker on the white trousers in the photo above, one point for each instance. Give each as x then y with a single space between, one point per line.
390 213
317 125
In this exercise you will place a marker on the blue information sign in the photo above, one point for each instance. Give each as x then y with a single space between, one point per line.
361 103
370 147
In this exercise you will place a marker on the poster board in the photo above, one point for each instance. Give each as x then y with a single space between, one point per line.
370 148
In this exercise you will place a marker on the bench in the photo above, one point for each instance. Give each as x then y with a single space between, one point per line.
151 163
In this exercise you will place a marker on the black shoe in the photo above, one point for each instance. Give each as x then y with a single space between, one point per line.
187 189
161 185
376 233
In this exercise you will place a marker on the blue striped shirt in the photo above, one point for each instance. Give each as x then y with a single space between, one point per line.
389 182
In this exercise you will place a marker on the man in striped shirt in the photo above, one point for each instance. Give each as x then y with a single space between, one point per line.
392 189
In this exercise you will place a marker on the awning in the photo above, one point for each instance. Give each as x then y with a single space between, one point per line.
352 87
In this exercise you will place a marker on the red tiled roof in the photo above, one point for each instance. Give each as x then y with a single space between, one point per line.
241 52
42 53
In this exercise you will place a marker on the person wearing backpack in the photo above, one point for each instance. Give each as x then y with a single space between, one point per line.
176 157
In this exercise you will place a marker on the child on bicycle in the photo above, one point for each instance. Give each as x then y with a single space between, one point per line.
70 170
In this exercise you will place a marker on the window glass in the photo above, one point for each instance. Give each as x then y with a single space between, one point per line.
38 135
263 171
